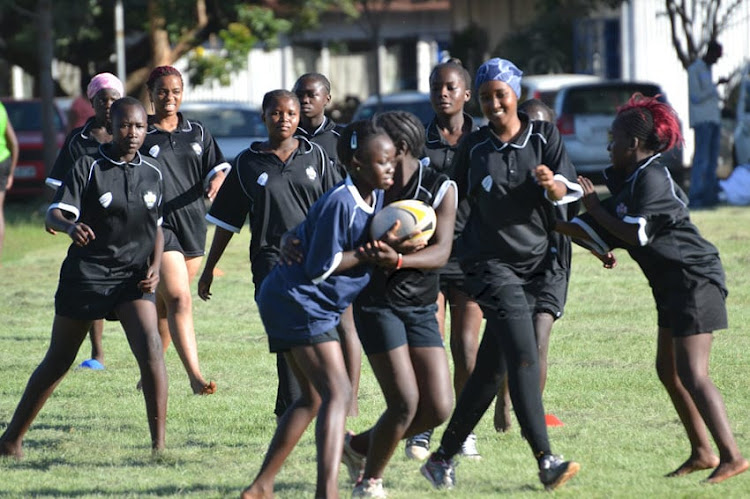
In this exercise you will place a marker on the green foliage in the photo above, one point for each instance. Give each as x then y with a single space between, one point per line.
254 24
91 438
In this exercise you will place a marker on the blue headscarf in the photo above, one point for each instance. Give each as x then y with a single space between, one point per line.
499 70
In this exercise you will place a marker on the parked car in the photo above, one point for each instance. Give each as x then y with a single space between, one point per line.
584 117
545 87
417 103
234 125
742 126
26 117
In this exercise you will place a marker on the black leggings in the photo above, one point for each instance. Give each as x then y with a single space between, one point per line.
508 344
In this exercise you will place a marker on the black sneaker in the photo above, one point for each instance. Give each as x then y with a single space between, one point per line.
553 471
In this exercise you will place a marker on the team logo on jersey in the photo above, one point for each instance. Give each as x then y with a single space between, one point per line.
621 210
105 199
311 173
487 183
154 151
262 178
150 199
197 148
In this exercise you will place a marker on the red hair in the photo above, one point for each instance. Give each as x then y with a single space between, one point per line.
651 120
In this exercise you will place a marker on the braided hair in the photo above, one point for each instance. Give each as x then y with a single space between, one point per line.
320 78
275 96
455 64
650 120
160 72
353 140
403 126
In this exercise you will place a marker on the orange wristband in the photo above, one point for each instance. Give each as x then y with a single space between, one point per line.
400 261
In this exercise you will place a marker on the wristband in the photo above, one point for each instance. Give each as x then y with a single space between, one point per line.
71 229
400 261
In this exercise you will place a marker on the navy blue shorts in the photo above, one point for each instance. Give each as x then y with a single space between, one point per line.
689 304
280 345
96 300
384 328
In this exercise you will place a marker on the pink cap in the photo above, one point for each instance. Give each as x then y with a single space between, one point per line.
104 80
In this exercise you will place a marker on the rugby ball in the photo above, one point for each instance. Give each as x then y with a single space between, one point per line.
417 217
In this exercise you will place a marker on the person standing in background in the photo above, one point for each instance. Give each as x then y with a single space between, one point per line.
8 160
102 91
705 120
81 108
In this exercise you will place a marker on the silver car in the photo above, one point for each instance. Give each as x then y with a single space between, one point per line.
234 125
584 117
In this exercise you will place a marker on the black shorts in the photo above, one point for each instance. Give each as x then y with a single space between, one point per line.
4 173
689 304
384 328
280 345
549 291
451 277
188 246
96 300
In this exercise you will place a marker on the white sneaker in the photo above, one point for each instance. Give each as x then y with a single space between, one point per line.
372 487
418 446
469 448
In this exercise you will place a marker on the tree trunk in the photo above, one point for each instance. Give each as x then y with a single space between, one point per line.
46 85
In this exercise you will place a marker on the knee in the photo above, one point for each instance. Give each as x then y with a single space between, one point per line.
179 302
666 372
691 380
404 409
442 409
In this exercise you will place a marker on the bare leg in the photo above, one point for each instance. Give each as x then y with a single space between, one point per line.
138 318
466 322
440 314
352 349
95 333
67 336
398 382
701 453
692 359
433 379
177 272
2 221
324 383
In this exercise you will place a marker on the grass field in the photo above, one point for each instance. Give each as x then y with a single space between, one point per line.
91 439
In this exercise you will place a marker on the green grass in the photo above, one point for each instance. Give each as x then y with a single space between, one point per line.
91 439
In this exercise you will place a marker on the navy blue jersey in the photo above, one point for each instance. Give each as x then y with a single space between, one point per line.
79 142
410 287
189 157
275 194
511 218
306 299
122 203
667 239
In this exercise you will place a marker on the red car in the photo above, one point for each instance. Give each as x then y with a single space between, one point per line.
26 117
